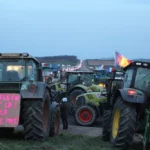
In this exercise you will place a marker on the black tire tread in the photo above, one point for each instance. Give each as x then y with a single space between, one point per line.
52 127
106 125
75 92
127 124
33 119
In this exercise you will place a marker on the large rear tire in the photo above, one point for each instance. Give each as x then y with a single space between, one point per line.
85 115
123 124
106 125
37 118
72 99
55 122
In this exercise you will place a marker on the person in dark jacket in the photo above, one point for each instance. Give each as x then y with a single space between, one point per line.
64 112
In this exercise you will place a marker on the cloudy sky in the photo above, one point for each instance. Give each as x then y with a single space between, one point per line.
85 28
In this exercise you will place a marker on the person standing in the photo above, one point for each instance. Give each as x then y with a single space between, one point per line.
64 112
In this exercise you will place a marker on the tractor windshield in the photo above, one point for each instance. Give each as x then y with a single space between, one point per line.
12 69
80 78
142 80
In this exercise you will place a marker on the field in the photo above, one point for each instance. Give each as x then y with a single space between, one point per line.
73 139
65 141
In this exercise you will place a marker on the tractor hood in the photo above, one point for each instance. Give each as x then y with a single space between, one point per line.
87 89
97 88
92 97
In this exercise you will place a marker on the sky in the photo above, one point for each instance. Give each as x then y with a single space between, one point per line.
89 29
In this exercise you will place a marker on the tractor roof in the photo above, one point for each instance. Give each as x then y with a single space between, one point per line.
17 55
137 64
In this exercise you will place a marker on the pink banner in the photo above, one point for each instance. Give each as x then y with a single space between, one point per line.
9 109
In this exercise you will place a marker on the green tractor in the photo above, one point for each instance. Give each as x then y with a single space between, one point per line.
127 110
75 83
25 99
79 82
90 106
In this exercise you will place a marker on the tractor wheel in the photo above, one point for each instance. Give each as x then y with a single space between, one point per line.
106 125
55 122
85 115
36 116
72 99
123 124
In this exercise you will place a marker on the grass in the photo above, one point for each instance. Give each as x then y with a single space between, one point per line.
62 142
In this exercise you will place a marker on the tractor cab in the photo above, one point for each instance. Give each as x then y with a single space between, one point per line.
78 77
47 73
137 77
16 68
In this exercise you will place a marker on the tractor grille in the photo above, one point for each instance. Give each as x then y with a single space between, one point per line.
10 87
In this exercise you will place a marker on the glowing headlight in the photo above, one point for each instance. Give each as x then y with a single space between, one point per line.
101 85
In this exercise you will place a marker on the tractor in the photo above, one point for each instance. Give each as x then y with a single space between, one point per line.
90 106
127 110
75 83
25 99
50 73
79 82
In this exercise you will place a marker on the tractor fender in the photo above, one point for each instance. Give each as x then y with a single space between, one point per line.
38 94
79 86
139 97
95 107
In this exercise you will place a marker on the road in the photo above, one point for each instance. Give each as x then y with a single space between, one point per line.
72 121
84 66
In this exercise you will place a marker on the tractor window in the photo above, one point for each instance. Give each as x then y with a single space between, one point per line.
128 78
12 69
87 79
32 70
142 80
72 78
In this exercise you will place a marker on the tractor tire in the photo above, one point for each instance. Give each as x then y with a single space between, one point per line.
106 125
55 122
36 117
72 99
85 115
123 124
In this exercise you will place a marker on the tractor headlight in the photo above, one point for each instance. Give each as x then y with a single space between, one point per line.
101 85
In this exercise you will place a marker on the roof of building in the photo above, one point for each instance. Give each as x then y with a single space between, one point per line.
100 62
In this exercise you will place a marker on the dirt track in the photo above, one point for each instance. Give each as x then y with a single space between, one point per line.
90 131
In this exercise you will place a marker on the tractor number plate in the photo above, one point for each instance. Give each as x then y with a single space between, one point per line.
9 109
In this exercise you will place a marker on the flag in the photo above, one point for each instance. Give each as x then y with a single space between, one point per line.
121 61
101 67
110 69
